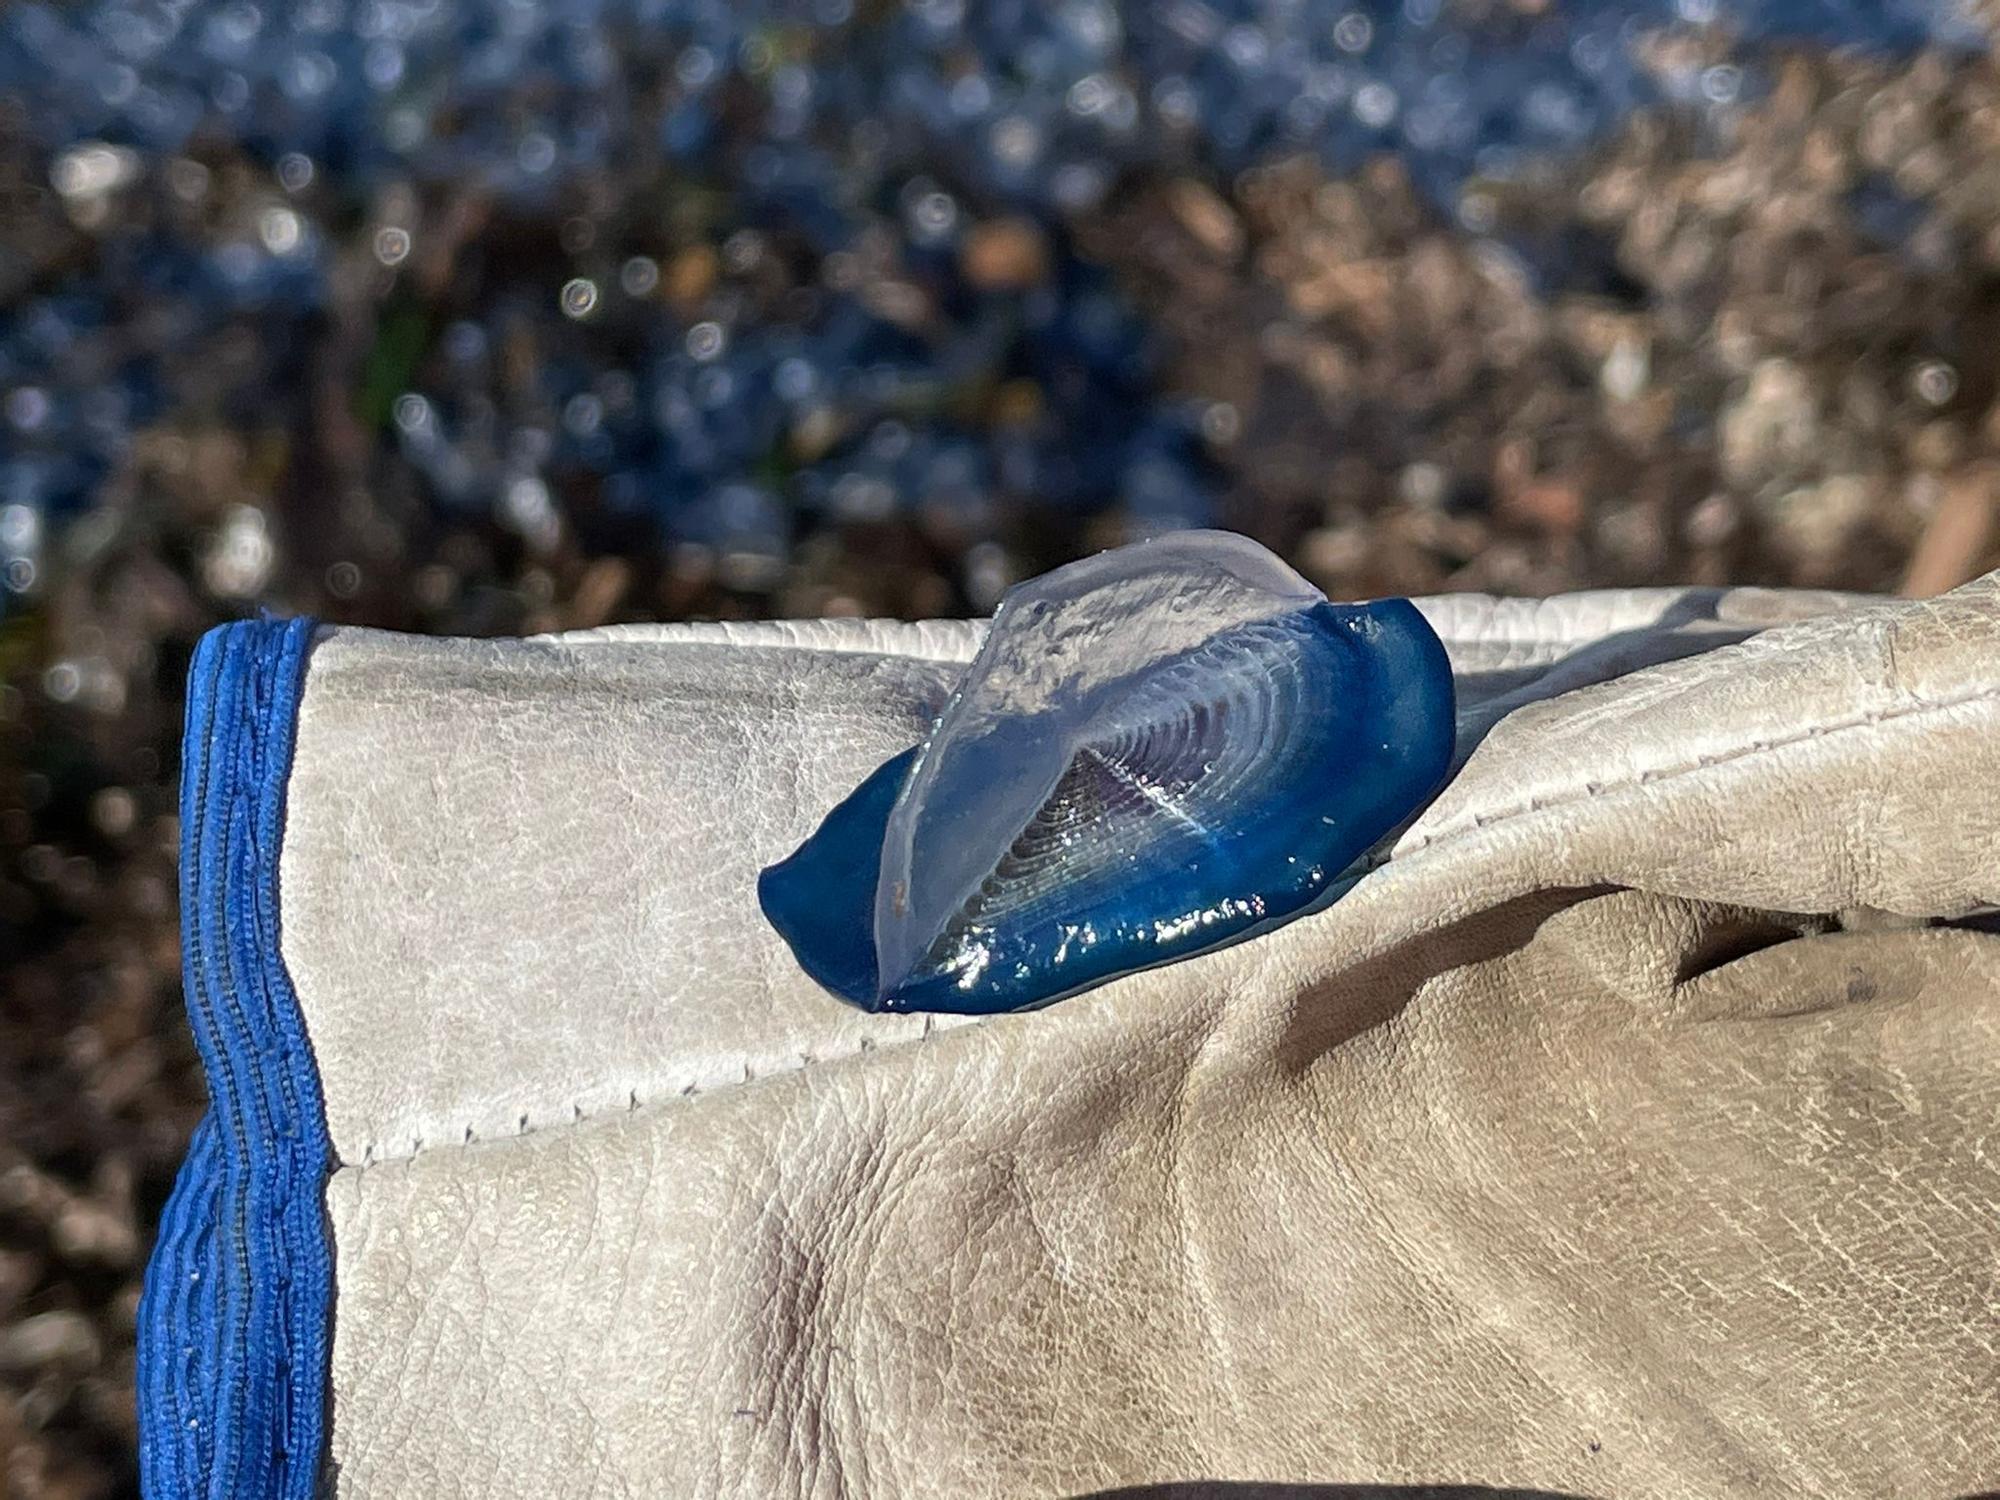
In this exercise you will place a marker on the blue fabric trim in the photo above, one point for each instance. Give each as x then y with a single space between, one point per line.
235 1324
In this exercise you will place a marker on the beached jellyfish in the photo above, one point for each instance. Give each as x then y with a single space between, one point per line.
1157 750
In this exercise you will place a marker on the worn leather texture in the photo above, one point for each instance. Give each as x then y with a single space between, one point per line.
1626 1130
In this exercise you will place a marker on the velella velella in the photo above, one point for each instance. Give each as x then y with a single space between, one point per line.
1157 750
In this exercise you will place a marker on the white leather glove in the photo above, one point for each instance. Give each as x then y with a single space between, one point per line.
1627 1129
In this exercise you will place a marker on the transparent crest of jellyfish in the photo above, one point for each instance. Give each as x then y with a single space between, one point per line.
1157 750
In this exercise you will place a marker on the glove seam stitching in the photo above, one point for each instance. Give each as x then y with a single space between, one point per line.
1453 834
1463 826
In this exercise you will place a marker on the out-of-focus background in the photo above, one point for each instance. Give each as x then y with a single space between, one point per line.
513 315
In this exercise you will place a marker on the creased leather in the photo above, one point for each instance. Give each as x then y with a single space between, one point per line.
1575 1149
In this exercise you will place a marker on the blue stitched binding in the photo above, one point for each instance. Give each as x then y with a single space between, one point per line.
234 1326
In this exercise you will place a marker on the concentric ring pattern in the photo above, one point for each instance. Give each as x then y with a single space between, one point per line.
1157 751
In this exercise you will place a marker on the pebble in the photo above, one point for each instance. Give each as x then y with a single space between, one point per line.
1007 254
62 1340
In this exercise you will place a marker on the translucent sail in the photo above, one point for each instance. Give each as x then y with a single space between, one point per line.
1157 750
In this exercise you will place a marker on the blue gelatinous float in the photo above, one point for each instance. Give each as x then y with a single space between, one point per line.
1158 750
